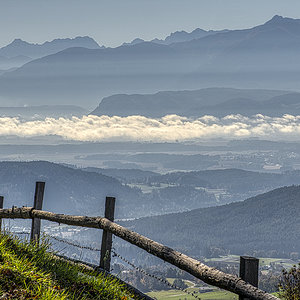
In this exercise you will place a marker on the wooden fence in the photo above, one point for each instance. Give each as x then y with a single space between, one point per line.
246 288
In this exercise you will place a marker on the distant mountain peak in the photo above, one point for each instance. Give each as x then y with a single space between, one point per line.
277 18
77 38
18 42
134 42
280 19
199 30
34 50
178 37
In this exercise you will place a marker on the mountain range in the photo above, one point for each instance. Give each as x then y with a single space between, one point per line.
19 47
179 36
212 101
265 56
19 52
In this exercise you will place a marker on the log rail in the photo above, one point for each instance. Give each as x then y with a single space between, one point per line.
205 273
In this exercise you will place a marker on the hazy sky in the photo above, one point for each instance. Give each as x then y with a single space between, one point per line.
111 22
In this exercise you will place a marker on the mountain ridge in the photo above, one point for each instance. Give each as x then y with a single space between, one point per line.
35 50
178 36
214 101
223 59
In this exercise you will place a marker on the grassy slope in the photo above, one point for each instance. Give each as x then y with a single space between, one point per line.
30 272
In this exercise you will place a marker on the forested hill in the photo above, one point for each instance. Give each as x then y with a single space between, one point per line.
67 190
268 223
76 191
233 180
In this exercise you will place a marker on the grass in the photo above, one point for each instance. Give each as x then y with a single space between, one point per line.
29 271
179 295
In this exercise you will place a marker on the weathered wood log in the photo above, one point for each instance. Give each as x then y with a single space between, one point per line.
207 274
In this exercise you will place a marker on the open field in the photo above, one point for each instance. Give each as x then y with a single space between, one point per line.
263 261
178 295
192 287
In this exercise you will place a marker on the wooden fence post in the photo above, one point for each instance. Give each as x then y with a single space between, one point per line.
38 204
1 206
105 255
249 271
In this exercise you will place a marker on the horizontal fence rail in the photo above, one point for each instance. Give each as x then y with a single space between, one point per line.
205 273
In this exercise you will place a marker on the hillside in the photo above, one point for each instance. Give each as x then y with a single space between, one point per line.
76 191
8 63
239 58
224 185
67 190
30 272
168 161
215 101
233 180
139 193
124 175
265 225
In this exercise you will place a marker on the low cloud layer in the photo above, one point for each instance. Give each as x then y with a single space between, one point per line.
169 128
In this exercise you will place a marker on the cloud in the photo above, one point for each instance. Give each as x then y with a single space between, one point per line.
140 128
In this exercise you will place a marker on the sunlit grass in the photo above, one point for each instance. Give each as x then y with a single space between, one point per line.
178 295
28 271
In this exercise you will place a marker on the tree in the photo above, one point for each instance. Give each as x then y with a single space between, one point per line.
290 284
180 283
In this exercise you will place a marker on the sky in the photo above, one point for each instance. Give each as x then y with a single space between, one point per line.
112 22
